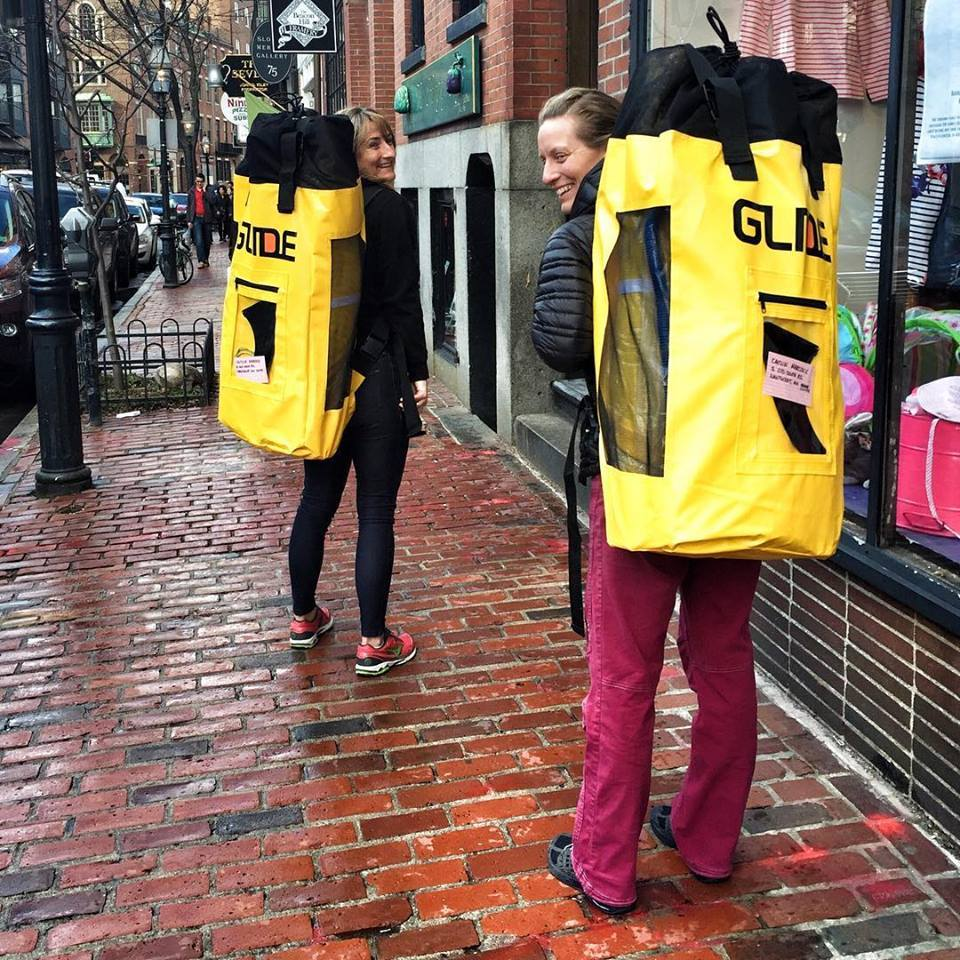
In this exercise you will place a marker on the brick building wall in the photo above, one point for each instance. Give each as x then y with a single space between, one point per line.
356 31
523 53
613 47
872 670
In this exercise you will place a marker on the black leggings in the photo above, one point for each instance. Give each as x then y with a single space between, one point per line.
375 442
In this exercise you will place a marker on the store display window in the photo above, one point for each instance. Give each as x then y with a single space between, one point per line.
898 257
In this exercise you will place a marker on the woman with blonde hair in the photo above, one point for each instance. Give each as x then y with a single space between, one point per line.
376 439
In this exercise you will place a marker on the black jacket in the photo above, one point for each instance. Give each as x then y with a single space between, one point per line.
391 275
563 308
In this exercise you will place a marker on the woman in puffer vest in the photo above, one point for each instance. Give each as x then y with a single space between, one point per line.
574 128
630 597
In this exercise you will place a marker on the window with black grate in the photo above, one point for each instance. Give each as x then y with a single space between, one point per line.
417 32
335 67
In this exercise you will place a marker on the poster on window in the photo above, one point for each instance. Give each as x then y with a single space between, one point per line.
940 128
303 26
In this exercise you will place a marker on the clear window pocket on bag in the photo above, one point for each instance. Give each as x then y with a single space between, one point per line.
788 404
634 362
256 353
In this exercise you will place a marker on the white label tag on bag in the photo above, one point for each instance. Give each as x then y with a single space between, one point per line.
253 369
788 379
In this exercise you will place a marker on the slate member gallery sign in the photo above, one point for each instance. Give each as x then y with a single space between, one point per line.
272 67
303 26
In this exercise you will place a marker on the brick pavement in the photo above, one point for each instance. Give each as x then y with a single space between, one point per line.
176 783
201 297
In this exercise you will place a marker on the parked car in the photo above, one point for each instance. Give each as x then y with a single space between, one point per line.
155 202
181 200
146 230
79 251
128 238
17 253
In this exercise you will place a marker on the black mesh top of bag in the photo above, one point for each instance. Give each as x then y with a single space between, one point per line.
319 149
665 94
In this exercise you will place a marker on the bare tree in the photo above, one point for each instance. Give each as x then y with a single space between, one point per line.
99 54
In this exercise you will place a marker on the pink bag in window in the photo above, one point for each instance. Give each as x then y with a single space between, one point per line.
928 474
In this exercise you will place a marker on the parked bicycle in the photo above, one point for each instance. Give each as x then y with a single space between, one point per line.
184 258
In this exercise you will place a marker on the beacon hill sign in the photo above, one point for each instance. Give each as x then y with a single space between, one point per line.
303 26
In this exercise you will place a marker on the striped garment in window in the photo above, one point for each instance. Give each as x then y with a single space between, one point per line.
926 198
845 42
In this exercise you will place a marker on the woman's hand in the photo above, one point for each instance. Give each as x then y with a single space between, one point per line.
421 393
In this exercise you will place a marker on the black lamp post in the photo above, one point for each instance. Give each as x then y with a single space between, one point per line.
215 82
189 127
52 324
205 147
160 84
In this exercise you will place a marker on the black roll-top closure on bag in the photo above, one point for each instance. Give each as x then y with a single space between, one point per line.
310 151
666 93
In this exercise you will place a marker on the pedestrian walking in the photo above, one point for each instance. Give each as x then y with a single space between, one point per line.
224 212
631 595
376 438
201 214
232 223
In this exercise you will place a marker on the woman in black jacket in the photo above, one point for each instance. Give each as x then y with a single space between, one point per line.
574 129
376 438
630 597
224 212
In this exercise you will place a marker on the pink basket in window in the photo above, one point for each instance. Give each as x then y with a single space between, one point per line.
928 475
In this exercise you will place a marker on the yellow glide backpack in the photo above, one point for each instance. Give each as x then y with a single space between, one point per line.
288 367
715 335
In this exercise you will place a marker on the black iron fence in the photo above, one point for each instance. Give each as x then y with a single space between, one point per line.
146 369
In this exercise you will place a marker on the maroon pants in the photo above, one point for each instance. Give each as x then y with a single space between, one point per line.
629 602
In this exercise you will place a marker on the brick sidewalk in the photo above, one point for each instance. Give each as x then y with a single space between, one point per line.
201 297
176 783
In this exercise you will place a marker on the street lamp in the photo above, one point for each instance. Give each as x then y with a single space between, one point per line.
189 128
214 77
161 78
52 324
205 147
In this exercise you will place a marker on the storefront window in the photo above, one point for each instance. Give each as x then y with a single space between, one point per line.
926 268
898 252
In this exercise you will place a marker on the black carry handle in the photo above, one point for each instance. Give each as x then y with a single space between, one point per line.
291 146
725 101
730 49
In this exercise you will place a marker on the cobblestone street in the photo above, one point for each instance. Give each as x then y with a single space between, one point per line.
176 783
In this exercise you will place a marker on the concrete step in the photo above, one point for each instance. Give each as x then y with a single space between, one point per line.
542 440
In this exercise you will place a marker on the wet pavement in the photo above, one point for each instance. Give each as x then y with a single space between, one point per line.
175 782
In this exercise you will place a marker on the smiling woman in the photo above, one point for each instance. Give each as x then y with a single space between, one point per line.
574 128
374 145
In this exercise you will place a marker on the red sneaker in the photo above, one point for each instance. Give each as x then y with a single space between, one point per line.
305 633
396 649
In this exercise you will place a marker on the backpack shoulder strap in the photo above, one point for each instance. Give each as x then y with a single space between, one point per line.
725 101
574 539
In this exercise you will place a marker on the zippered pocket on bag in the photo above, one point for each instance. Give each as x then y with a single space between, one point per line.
782 300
